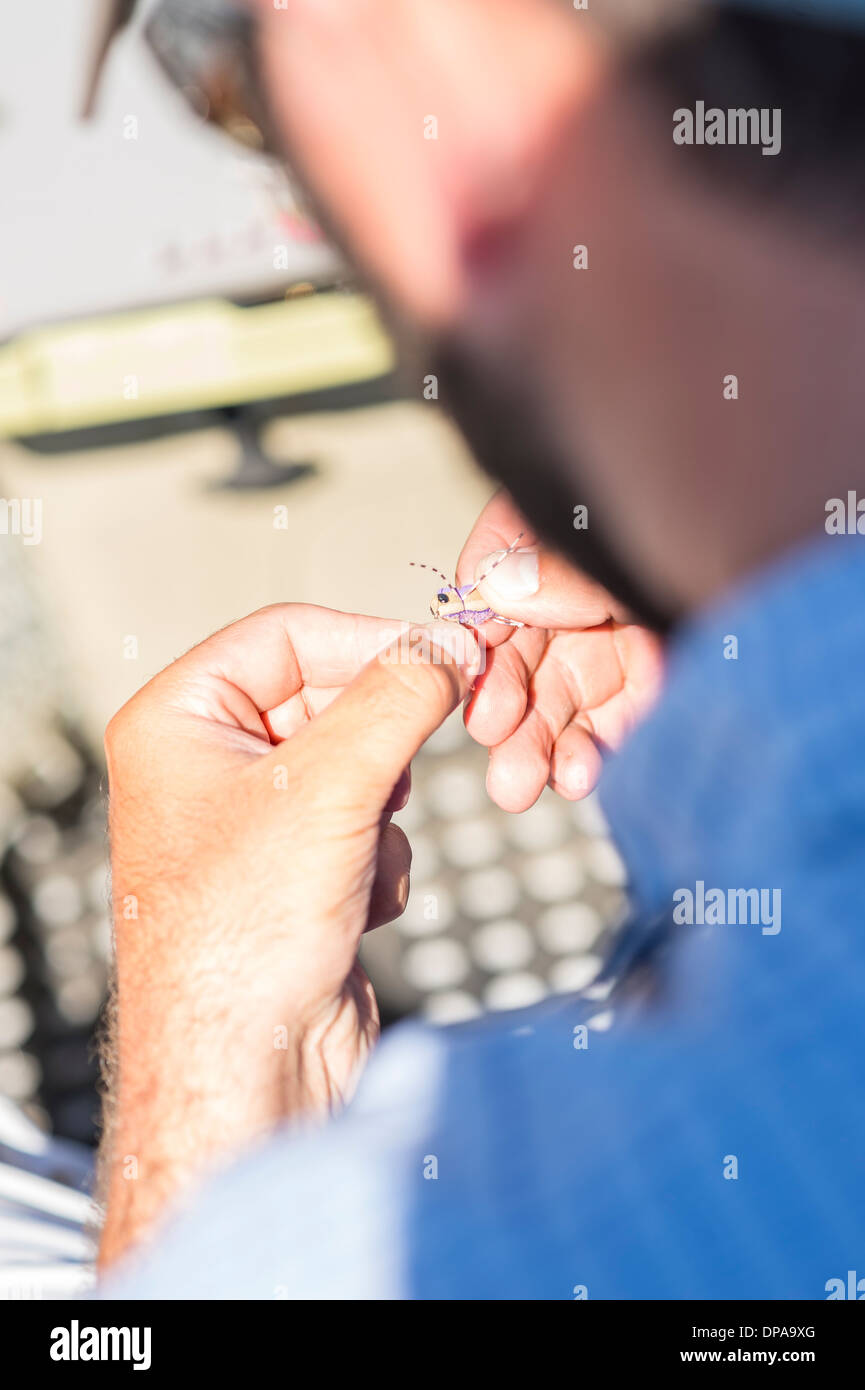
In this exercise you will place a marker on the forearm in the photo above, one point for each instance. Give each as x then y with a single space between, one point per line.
246 865
191 1077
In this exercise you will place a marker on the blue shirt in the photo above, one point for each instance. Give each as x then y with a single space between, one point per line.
709 1144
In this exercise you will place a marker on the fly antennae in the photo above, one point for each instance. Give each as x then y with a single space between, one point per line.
418 566
513 545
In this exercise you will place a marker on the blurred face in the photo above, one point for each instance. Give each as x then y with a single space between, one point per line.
418 126
428 135
484 167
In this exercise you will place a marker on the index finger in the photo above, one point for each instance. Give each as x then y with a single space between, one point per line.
496 528
277 650
564 597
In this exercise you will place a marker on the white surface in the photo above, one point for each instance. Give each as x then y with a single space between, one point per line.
95 221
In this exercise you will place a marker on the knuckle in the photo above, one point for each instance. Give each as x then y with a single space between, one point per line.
116 734
123 732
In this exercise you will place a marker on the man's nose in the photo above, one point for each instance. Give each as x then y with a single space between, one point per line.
414 124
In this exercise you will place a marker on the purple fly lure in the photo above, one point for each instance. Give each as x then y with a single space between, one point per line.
454 603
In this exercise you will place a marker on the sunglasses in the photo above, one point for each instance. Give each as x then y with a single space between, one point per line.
207 51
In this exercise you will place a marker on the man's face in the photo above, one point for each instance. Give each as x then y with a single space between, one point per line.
483 166
429 136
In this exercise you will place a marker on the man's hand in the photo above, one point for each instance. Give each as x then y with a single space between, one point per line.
574 680
251 788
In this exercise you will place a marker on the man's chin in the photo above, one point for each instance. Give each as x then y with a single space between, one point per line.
507 434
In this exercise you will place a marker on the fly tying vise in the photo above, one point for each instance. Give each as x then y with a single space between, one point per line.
452 602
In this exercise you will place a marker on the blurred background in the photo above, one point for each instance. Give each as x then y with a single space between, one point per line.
210 416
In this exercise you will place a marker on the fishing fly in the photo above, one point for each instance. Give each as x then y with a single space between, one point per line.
454 603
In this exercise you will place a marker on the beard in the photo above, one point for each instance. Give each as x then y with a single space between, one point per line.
507 433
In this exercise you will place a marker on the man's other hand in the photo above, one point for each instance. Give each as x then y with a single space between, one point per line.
251 789
570 683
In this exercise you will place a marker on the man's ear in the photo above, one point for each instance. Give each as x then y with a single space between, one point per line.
418 126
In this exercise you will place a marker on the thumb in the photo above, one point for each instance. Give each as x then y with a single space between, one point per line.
537 586
365 739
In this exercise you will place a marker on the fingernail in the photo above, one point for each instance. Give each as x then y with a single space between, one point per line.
459 642
512 578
